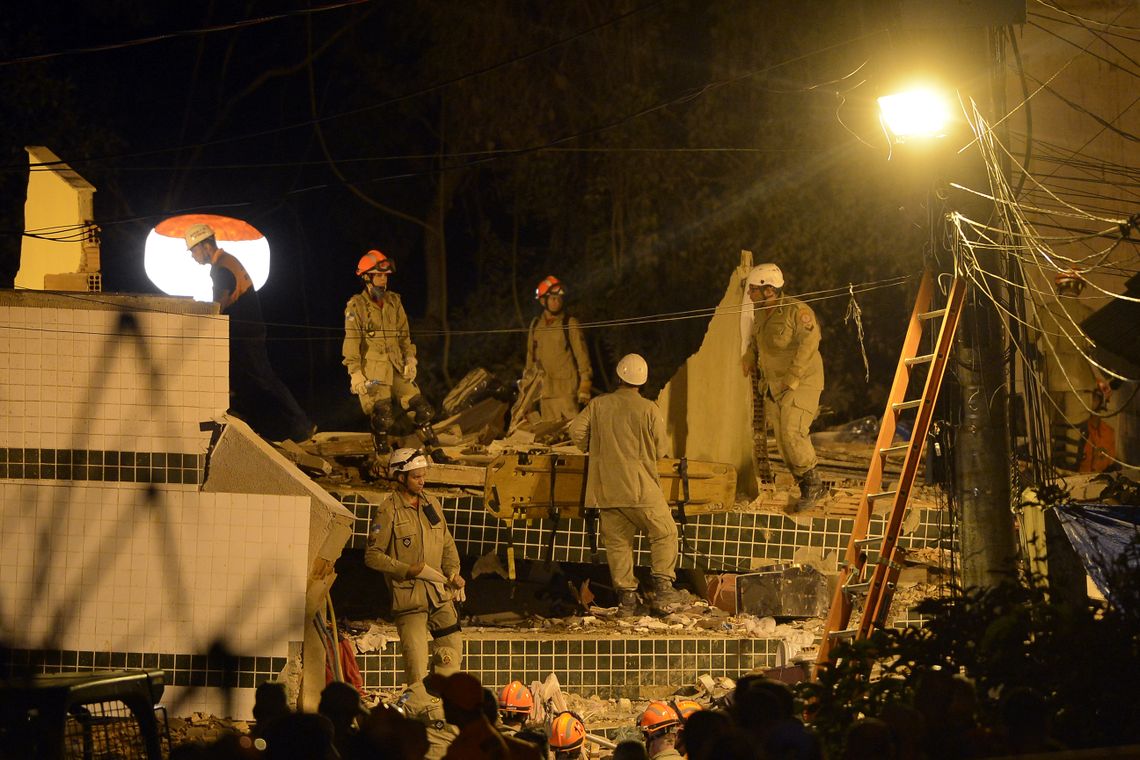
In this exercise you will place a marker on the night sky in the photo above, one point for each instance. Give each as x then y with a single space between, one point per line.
632 148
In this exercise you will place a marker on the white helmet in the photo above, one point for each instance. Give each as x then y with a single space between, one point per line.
633 369
766 274
406 460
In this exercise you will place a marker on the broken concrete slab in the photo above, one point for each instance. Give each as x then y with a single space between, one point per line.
797 591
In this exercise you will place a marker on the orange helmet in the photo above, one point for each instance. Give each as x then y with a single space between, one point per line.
374 261
658 717
515 700
685 707
567 732
549 287
1068 277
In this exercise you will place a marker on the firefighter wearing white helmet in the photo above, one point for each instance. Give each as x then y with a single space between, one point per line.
556 353
381 358
624 434
784 348
257 394
410 543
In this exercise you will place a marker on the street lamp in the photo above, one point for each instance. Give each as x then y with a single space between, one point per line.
915 114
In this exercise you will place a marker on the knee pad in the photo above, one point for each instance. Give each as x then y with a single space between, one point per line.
421 410
381 418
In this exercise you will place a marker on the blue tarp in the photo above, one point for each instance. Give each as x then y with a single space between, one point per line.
1101 535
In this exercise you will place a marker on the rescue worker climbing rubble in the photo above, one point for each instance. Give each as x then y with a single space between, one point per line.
410 543
624 435
784 348
257 394
556 352
381 358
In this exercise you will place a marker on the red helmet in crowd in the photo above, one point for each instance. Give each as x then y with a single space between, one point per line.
374 261
567 732
551 286
516 701
685 707
658 718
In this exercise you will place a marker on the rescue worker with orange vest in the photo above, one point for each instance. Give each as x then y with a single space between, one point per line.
410 543
556 350
381 358
256 393
624 435
784 348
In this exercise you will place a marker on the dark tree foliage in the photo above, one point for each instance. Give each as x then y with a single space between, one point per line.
1085 660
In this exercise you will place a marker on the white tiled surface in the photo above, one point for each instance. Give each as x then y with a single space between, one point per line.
118 574
71 379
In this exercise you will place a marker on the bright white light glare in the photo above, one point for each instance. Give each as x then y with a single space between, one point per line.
169 265
921 112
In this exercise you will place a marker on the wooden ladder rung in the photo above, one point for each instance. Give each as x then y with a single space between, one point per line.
881 495
869 540
935 314
901 405
857 588
900 448
847 633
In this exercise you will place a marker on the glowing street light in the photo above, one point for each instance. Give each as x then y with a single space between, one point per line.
169 265
919 113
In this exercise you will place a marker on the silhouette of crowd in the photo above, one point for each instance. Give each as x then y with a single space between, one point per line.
760 719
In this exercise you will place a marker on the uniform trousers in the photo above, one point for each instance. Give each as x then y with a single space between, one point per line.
620 526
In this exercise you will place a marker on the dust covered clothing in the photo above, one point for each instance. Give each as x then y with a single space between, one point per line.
377 345
422 705
624 434
784 346
402 534
556 347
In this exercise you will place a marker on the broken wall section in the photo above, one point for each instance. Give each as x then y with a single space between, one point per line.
708 402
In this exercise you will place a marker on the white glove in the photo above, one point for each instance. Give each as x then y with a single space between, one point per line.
358 383
410 369
431 575
458 590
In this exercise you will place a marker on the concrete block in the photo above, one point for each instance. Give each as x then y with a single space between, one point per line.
796 591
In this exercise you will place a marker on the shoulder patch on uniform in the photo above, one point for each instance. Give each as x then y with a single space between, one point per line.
807 319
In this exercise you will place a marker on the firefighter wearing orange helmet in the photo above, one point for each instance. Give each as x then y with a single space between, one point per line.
381 358
659 723
556 352
567 736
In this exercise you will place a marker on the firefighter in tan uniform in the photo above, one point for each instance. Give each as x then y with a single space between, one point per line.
556 350
624 435
410 543
421 702
381 358
785 348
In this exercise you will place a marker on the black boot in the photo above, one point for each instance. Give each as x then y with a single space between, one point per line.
629 605
811 489
431 443
667 599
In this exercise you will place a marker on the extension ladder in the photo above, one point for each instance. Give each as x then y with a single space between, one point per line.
875 585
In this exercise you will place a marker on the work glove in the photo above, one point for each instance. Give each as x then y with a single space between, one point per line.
410 369
358 383
584 392
458 592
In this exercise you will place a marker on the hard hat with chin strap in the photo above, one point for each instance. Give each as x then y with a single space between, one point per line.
406 460
633 370
516 700
551 286
374 261
766 274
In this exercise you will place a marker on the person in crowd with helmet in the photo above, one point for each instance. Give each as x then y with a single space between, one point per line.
381 358
685 709
624 435
659 724
556 350
784 348
464 701
410 543
516 706
257 394
423 703
567 736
